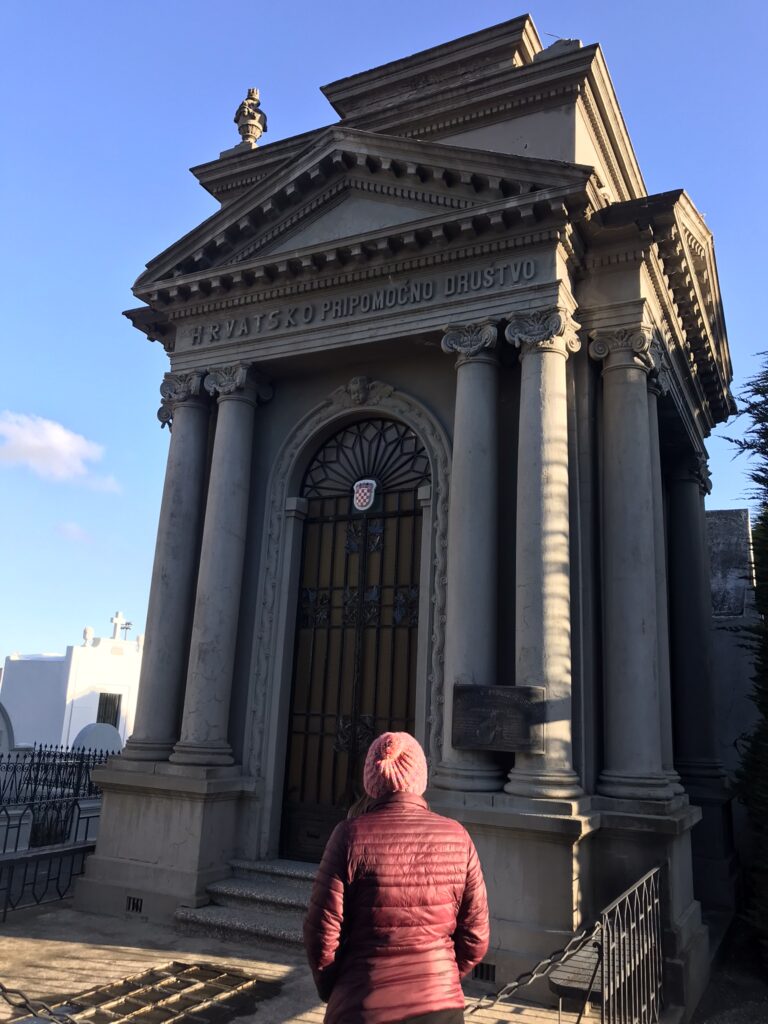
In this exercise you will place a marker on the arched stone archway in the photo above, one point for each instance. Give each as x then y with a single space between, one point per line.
272 659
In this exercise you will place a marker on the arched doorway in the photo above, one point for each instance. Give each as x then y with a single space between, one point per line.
355 650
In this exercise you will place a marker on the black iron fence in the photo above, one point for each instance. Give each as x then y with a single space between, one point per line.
49 814
42 876
45 773
629 948
615 963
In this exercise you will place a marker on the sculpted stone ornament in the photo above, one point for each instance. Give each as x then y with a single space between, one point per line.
543 330
468 340
175 388
228 380
658 375
250 120
361 391
632 342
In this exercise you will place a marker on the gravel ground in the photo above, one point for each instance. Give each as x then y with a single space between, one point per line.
738 991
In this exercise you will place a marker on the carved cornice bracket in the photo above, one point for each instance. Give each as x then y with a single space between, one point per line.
236 380
543 330
629 346
469 340
176 388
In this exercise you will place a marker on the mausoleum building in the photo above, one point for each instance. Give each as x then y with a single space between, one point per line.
440 379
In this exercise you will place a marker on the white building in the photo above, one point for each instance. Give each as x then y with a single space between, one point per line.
50 697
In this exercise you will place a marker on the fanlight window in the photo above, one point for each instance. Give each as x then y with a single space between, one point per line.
383 451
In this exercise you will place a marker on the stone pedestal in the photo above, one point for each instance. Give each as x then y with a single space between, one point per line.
632 728
166 832
697 757
205 720
542 576
470 629
172 591
536 857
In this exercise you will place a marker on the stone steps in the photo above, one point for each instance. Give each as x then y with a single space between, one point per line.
264 900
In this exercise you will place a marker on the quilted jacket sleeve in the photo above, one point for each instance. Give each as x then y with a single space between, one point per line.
325 916
472 927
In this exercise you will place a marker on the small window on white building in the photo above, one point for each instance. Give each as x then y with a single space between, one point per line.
109 708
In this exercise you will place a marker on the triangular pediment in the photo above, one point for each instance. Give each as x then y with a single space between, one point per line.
351 205
349 184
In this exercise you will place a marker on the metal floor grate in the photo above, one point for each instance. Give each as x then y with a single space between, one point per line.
176 992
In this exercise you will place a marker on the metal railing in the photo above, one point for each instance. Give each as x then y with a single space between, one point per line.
40 877
45 773
630 954
616 962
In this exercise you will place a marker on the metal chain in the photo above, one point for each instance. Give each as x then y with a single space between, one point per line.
19 1001
541 970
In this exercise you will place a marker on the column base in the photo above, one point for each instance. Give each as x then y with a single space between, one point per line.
147 750
195 753
544 784
674 780
471 777
624 786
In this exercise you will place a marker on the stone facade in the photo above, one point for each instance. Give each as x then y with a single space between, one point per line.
469 254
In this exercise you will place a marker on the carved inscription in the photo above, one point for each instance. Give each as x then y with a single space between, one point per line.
362 303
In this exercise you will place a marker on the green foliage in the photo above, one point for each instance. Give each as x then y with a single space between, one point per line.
752 777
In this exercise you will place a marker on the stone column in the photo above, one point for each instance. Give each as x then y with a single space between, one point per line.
696 744
656 388
172 591
471 618
632 740
212 650
542 552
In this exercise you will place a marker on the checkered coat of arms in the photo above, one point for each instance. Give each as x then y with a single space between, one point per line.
363 495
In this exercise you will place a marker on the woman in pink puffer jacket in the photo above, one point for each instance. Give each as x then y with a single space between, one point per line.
398 912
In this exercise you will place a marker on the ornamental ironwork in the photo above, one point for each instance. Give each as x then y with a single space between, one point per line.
379 450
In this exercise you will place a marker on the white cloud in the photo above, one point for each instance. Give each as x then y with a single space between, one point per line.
50 450
73 531
108 484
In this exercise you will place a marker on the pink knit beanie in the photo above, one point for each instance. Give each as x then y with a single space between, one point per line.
395 763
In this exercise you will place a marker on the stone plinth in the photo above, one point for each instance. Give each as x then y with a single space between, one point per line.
166 832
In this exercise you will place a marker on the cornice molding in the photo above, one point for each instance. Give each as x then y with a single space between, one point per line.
370 273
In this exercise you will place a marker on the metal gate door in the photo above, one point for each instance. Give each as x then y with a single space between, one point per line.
357 621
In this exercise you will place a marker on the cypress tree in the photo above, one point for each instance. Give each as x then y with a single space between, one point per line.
752 776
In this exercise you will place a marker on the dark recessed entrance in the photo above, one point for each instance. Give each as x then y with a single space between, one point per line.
355 652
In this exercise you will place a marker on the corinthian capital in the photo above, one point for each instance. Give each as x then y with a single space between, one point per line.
631 345
543 330
468 340
175 388
229 380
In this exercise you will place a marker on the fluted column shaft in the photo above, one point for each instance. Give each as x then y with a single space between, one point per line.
696 742
542 553
655 389
212 650
632 739
471 615
172 590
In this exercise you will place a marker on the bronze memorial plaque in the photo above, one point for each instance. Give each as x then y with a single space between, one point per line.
499 718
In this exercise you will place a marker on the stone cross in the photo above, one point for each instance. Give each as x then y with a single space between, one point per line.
117 621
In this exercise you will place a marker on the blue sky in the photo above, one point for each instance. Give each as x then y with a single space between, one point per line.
105 107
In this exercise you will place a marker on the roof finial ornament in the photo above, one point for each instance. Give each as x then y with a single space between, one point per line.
250 120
